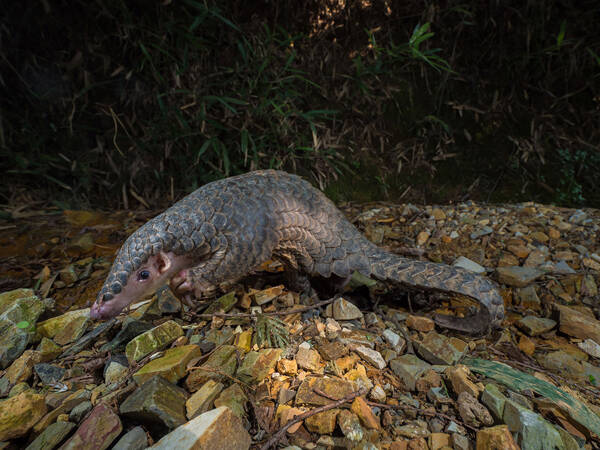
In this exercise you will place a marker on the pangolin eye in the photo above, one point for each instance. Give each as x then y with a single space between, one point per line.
143 275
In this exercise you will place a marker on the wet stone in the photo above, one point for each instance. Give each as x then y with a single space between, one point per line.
438 349
531 429
350 425
134 439
494 400
52 436
202 400
17 307
171 366
129 329
235 399
218 366
20 413
333 387
22 368
469 265
365 413
116 369
534 326
323 422
66 328
498 437
49 373
258 365
528 297
409 368
152 340
166 301
80 411
373 357
518 276
48 350
308 359
156 402
222 304
207 431
98 431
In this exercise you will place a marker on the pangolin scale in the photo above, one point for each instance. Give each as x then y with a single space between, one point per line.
225 229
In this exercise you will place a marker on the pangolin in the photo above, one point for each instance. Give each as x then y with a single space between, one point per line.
227 228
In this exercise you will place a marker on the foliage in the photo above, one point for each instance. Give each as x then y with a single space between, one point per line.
120 103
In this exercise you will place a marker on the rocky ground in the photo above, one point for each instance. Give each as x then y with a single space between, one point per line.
364 370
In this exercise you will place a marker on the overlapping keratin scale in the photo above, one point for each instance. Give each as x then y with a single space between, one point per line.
230 226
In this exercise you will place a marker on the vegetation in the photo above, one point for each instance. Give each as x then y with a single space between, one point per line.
122 104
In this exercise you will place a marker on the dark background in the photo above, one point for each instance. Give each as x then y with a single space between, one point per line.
113 104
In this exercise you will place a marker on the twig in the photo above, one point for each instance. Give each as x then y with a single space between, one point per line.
277 436
280 313
423 412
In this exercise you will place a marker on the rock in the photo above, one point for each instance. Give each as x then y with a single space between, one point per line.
461 442
52 436
438 214
156 402
330 350
80 411
472 412
459 378
202 400
364 412
439 441
208 431
422 238
66 328
19 312
309 359
590 347
323 422
97 432
49 374
166 301
129 329
243 340
413 430
496 438
469 265
519 250
152 340
429 380
526 345
116 369
371 356
377 394
19 414
528 297
66 405
409 368
332 328
518 276
287 366
48 350
350 425
235 399
591 264
531 430
267 295
134 439
22 368
534 326
535 259
562 362
419 323
438 349
344 310
171 366
219 365
258 365
333 387
392 338
577 324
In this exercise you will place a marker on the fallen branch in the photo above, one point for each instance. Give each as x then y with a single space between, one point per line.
277 436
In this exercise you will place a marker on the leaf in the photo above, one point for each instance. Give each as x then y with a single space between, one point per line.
561 33
23 325
519 381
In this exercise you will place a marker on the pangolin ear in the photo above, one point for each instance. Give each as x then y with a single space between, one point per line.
162 262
